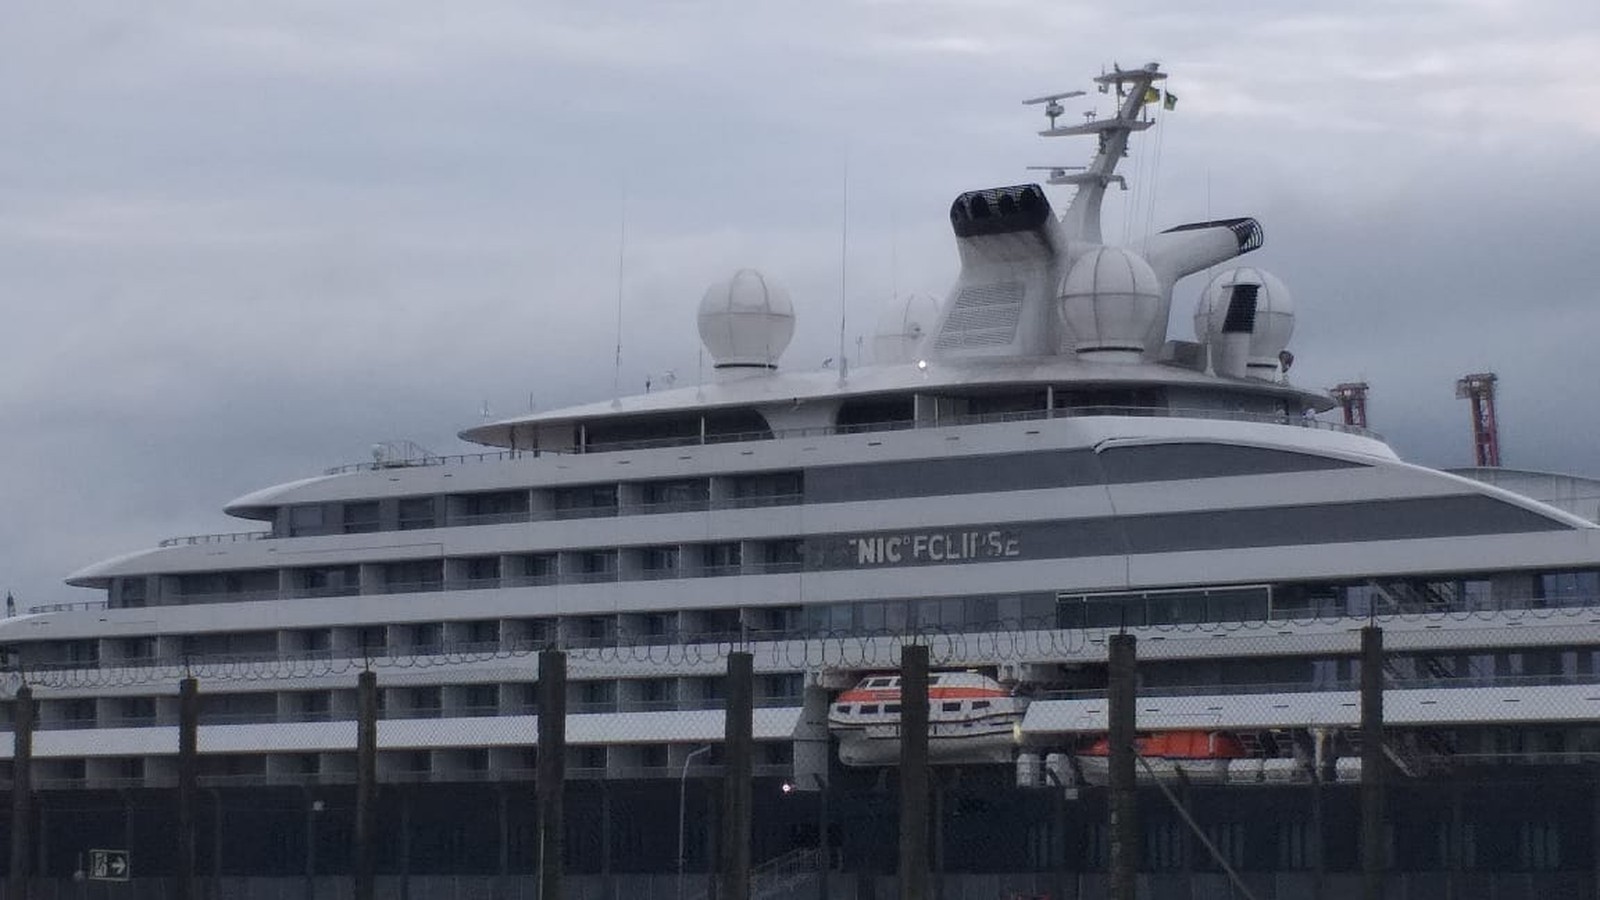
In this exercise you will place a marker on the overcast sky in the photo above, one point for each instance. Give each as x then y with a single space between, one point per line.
240 241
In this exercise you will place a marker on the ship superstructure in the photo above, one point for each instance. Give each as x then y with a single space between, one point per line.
1037 458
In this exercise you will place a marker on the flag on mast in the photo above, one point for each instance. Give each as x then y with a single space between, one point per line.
1170 101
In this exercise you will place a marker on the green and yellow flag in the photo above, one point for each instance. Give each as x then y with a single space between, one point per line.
1170 102
1151 95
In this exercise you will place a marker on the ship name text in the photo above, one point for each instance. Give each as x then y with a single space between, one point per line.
934 546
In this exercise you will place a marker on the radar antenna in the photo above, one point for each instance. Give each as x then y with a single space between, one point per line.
1134 89
1052 104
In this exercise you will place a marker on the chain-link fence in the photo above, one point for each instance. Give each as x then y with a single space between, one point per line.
1260 761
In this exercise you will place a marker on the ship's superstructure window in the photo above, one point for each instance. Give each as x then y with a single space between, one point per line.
532 569
591 566
135 711
308 520
721 558
477 572
238 708
413 575
416 513
1176 462
596 696
216 587
765 489
488 508
361 518
681 495
661 562
131 592
877 413
786 555
328 581
309 706
585 502
476 636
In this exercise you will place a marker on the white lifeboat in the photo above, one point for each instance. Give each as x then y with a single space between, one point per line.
971 719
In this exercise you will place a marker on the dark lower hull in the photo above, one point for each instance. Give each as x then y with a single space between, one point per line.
1513 822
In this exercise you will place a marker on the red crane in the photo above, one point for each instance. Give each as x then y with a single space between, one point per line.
1352 398
1479 388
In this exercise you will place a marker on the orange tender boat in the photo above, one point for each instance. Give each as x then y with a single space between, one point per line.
1199 755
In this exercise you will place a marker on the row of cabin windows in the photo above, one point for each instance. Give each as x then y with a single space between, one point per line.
445 762
777 555
581 501
430 701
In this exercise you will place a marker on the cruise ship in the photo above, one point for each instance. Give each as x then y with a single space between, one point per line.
1018 471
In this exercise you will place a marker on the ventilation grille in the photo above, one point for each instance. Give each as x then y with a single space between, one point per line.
1246 231
984 315
1241 317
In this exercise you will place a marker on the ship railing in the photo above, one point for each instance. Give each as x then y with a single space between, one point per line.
664 573
1165 412
414 587
230 537
471 584
700 504
598 577
230 596
491 518
79 606
1322 686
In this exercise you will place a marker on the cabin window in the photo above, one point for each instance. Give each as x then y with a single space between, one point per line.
361 518
951 707
876 413
842 709
305 520
881 682
416 513
891 707
869 709
980 704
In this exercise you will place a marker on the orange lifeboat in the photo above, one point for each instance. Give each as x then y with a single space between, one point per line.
1199 755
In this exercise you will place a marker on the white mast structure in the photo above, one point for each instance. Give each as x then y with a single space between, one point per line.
1082 217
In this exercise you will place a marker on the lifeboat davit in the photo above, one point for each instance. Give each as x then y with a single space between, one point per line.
971 719
1201 756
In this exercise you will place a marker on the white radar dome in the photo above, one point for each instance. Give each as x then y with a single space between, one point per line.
746 322
1245 317
905 321
1109 302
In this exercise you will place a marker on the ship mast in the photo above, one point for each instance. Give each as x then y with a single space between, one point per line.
1082 217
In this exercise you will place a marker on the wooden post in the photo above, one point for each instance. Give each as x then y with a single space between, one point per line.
551 776
738 766
366 782
1372 763
23 717
1122 726
188 782
914 772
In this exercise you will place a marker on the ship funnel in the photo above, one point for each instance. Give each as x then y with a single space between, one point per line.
1013 253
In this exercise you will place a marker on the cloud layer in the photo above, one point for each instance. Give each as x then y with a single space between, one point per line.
239 242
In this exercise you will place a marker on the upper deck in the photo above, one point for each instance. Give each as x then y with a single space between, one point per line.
919 394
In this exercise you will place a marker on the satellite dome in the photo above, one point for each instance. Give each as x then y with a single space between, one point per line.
905 321
1246 315
1109 301
746 322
